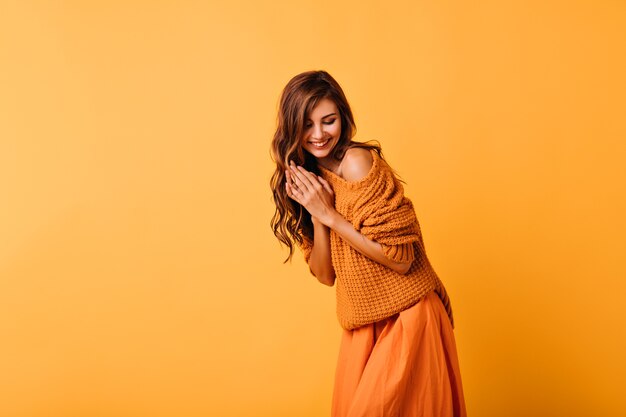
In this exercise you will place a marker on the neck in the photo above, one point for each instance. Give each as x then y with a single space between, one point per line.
329 165
330 162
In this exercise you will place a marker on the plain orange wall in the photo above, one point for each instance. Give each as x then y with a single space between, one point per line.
138 272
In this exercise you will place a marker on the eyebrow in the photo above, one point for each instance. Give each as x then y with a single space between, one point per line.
328 115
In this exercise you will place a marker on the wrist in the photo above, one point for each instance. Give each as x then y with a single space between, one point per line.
332 219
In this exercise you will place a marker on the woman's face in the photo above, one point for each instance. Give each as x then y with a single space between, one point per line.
322 129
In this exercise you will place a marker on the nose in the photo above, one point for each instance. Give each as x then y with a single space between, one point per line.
318 132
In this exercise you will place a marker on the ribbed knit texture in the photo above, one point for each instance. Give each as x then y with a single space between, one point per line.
368 291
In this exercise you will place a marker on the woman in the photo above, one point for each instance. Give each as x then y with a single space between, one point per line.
344 206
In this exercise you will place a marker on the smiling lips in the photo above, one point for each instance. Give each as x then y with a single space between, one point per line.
320 144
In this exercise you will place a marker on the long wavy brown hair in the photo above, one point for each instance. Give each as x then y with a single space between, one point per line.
291 221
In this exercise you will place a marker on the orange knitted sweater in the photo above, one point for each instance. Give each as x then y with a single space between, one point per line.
368 291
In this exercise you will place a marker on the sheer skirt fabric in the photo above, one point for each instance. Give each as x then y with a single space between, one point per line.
403 366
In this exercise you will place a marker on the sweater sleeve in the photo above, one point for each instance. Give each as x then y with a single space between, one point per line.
384 214
403 253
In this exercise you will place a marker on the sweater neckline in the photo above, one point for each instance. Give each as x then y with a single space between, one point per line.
337 179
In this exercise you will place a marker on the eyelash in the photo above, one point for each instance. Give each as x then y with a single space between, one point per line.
326 123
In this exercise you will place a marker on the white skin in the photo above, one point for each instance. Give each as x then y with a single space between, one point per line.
315 194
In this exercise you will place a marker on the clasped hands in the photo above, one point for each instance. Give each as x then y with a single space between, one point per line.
312 192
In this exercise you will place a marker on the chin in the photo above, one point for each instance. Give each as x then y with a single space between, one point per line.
320 153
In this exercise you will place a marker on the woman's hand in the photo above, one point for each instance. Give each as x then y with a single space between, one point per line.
312 192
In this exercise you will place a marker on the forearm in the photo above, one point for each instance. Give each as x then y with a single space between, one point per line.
320 261
363 244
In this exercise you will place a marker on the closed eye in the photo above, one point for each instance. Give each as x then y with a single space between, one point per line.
330 122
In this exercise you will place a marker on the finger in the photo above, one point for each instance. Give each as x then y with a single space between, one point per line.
290 178
296 193
325 184
300 179
306 177
311 177
290 192
292 182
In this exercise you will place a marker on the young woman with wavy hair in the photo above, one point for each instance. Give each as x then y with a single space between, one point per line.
341 203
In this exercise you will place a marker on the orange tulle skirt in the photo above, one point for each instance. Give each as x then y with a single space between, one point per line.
403 366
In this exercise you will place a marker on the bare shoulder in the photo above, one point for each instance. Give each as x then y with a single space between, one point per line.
356 164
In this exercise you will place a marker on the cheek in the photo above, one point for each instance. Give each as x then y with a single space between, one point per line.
337 126
306 145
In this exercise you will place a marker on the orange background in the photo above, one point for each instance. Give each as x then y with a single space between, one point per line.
138 272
